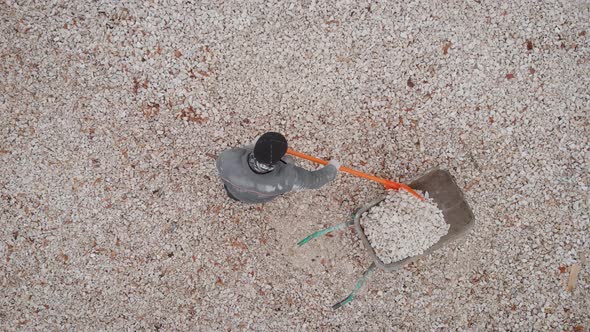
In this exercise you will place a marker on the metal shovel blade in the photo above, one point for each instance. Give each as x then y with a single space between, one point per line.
443 189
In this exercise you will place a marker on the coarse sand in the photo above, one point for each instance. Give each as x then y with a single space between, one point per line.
112 114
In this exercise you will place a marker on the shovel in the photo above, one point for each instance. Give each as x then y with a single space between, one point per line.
386 183
441 187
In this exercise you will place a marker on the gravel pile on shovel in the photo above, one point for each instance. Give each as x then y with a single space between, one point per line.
402 226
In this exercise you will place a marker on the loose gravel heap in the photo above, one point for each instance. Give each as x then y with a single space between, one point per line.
403 226
112 114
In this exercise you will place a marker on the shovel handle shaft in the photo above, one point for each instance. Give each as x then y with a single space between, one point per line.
388 184
308 157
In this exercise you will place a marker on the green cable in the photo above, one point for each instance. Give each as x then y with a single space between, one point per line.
366 274
357 286
326 231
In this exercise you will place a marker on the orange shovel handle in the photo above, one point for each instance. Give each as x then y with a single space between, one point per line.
388 184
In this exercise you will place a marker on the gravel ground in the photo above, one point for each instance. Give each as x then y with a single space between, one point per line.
403 226
112 114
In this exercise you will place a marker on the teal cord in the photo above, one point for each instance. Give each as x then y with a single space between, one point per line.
326 231
357 287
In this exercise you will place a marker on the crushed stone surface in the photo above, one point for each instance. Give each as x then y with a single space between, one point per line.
112 114
403 226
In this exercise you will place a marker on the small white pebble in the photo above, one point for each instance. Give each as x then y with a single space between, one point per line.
402 226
